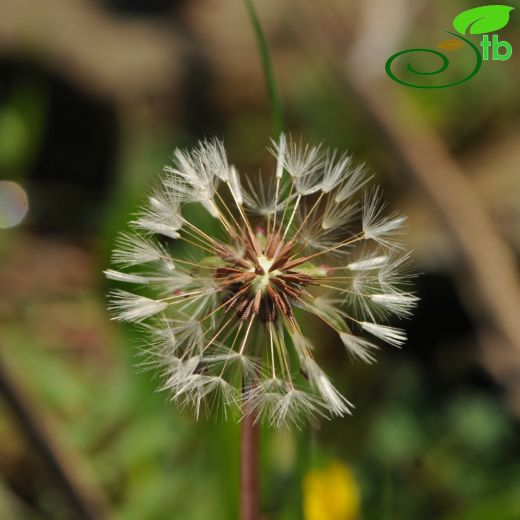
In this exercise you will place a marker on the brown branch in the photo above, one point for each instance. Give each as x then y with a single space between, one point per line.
86 501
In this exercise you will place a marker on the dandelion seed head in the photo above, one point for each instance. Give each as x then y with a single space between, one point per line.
220 322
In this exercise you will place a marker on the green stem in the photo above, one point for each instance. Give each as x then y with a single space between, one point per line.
270 82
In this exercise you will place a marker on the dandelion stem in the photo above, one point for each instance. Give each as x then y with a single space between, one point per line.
249 468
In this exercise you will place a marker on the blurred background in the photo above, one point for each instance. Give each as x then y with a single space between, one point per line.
94 96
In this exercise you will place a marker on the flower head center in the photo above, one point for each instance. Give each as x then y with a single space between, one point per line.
265 263
263 280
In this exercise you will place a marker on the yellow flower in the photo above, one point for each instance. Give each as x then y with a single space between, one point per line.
331 493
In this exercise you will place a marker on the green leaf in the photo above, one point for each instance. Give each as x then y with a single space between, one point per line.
481 20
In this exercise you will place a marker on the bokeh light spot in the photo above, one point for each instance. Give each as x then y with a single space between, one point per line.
14 204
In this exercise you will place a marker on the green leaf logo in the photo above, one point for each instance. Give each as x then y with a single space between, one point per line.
481 20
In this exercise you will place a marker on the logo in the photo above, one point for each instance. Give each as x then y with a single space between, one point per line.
478 21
